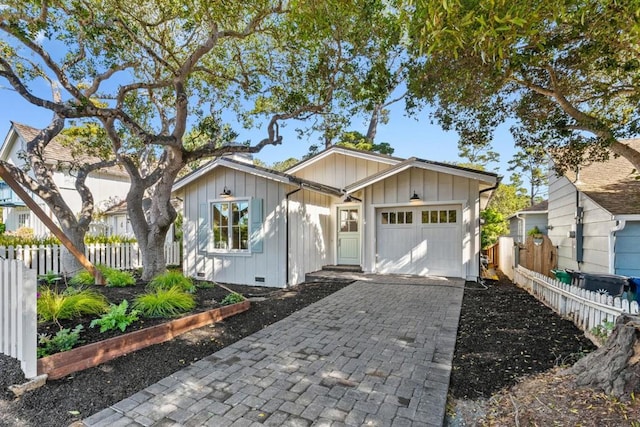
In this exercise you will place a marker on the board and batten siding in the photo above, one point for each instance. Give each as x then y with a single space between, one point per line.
531 220
310 242
433 188
597 226
627 250
267 260
339 170
240 268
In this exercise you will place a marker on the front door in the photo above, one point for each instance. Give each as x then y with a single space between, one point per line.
349 235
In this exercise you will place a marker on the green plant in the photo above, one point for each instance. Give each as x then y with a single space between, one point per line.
54 306
116 317
602 332
103 239
118 278
535 231
50 278
232 298
165 302
171 279
64 340
82 278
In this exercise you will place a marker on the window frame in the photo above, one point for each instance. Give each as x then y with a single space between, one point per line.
230 228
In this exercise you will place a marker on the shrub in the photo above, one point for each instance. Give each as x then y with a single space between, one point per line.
232 298
50 278
117 317
53 305
82 278
63 340
165 303
171 279
103 239
118 278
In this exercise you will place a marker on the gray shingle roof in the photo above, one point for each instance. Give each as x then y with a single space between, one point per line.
613 184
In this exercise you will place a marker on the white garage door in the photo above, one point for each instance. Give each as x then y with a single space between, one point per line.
425 240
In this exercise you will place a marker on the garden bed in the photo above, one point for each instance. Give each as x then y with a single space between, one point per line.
97 347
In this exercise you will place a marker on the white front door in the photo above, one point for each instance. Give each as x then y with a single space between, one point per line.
349 235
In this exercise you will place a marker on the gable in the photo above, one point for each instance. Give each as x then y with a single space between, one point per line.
339 166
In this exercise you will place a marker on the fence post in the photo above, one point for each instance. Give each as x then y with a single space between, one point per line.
18 334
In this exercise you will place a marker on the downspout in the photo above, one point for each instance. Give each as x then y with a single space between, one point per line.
612 239
286 226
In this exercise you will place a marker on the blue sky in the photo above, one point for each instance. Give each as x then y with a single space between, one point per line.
409 136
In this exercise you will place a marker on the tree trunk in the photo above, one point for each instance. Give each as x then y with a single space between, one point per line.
69 265
153 260
615 367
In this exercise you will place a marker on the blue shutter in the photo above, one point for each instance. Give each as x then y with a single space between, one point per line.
204 228
256 225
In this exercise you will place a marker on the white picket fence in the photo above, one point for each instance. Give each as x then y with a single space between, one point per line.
18 317
587 309
123 256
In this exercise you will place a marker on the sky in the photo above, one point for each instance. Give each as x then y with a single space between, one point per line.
409 136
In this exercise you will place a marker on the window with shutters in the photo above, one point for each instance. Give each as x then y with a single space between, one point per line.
230 225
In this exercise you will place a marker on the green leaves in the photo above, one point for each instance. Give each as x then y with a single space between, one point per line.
116 318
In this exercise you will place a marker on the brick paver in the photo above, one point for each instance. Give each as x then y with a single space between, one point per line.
377 352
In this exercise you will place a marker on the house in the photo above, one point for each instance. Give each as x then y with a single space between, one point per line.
594 217
250 225
525 220
105 184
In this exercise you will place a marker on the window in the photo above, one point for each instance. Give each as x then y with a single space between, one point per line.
348 220
23 220
449 216
231 225
397 217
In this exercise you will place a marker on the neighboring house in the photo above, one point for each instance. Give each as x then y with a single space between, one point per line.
522 222
105 184
594 217
114 220
250 225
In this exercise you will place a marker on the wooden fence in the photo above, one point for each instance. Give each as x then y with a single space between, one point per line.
539 255
586 309
123 256
18 322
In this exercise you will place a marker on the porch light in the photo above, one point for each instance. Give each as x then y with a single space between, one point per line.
226 192
415 197
351 198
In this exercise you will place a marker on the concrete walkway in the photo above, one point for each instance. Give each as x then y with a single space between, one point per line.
377 353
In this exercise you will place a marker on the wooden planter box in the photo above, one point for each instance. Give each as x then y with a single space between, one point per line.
61 364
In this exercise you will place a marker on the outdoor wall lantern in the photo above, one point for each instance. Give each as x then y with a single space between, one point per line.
415 197
226 192
351 198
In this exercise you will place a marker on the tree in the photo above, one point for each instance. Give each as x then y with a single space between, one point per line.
284 164
478 155
493 227
144 71
509 198
565 72
530 162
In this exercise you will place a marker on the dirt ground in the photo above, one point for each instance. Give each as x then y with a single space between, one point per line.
506 368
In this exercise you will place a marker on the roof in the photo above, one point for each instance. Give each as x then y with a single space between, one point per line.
613 184
490 178
57 152
367 155
538 208
252 169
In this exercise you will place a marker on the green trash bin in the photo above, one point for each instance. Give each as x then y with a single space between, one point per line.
562 276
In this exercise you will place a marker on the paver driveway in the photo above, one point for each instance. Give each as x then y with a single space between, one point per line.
377 352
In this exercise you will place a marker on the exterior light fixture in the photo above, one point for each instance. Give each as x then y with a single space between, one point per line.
351 198
226 192
415 197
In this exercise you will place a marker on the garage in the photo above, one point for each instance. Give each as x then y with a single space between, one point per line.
422 240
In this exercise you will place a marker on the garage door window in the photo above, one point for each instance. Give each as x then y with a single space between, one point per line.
397 217
440 216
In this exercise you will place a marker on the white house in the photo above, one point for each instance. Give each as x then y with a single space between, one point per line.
250 225
525 220
106 184
594 217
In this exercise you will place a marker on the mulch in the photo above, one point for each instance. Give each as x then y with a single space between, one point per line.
504 335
